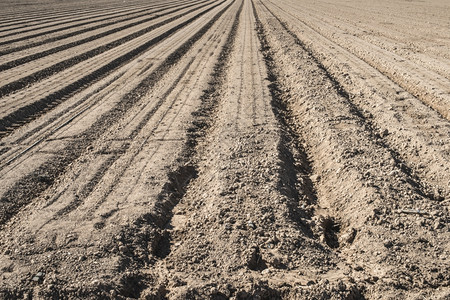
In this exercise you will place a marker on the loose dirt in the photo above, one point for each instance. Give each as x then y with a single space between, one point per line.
226 149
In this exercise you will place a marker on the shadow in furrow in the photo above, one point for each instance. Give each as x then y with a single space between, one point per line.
176 187
173 192
31 186
294 183
418 185
33 110
26 59
53 31
89 187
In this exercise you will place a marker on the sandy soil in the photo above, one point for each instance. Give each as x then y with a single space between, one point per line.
226 149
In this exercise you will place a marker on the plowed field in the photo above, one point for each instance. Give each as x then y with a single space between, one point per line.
225 149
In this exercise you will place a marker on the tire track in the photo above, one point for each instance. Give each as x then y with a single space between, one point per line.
13 63
58 67
114 10
33 110
57 30
87 189
32 185
55 123
27 37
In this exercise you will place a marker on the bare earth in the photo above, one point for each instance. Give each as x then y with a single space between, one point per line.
225 149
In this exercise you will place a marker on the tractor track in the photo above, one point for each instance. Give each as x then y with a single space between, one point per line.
16 58
25 113
46 72
224 149
32 44
51 170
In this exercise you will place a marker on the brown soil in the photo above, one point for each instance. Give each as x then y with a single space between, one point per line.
225 149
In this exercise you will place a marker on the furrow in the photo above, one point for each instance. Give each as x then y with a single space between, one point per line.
89 14
395 116
400 40
361 186
25 113
238 230
12 84
80 45
35 183
17 18
61 36
140 125
58 29
429 87
224 149
166 121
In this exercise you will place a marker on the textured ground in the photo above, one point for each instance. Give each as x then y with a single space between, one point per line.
225 149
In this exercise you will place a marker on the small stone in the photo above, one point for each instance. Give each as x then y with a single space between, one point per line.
348 237
95 282
322 239
437 224
251 225
315 178
123 248
388 244
38 277
311 282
